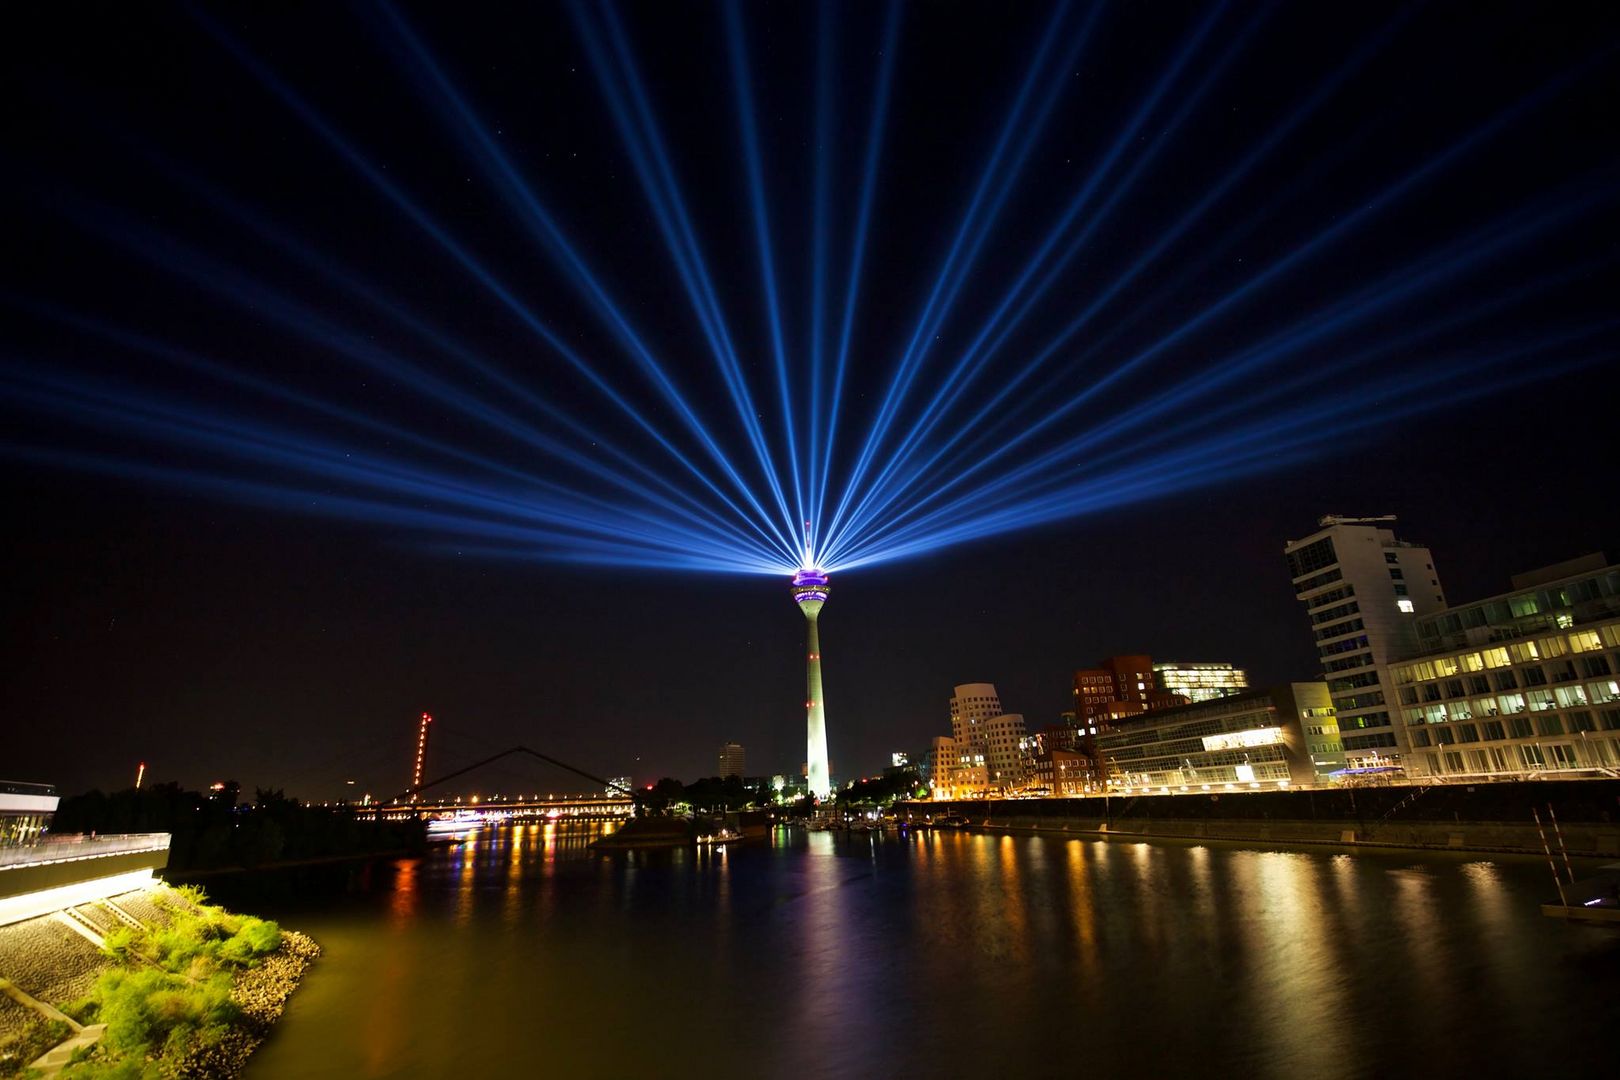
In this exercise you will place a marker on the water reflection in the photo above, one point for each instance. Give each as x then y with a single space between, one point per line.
946 954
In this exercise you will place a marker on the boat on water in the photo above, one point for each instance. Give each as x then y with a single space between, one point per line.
723 836
1591 900
951 821
457 828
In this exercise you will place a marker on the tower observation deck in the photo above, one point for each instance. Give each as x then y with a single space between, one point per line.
810 589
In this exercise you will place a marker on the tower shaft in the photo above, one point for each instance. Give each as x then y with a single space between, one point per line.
819 770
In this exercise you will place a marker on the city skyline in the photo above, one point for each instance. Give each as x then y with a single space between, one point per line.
1382 301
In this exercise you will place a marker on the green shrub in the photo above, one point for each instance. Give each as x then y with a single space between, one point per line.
253 939
121 943
147 1009
190 894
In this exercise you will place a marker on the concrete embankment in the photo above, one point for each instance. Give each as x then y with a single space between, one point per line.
1582 816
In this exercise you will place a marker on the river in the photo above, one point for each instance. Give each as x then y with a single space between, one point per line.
521 953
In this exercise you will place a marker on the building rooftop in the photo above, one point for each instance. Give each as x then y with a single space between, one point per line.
1546 575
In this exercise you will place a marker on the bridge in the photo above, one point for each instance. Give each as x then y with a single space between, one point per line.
614 803
504 807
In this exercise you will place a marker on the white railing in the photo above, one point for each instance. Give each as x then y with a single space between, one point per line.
70 848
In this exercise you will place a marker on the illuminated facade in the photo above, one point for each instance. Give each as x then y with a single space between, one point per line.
1200 682
1285 736
1364 590
810 591
955 772
1061 773
1524 683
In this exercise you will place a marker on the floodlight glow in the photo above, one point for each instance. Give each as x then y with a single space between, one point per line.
1053 390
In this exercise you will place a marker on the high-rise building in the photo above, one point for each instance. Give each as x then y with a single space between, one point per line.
1364 590
1199 682
810 590
1520 684
733 760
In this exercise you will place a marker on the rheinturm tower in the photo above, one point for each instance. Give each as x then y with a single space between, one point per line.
810 592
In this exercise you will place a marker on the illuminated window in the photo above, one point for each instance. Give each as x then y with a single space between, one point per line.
1406 606
1585 641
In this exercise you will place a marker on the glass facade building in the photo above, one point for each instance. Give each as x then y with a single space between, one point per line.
1200 682
1285 736
1522 684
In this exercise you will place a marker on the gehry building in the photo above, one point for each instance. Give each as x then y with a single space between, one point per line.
986 748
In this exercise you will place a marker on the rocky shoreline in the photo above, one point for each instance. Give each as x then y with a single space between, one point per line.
55 966
262 993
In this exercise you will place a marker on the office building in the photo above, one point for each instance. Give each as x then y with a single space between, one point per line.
1363 590
1521 684
1119 687
1199 682
733 760
1281 737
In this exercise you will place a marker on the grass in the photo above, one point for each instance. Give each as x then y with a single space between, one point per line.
199 941
171 992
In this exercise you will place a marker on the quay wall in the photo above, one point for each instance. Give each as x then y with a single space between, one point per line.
1480 817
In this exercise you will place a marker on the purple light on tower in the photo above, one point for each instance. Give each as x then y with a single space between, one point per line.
810 589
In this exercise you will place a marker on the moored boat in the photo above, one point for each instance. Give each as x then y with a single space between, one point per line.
1591 900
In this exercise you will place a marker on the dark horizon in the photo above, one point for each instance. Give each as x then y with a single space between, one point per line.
216 634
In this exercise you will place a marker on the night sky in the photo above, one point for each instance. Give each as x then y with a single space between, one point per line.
154 184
